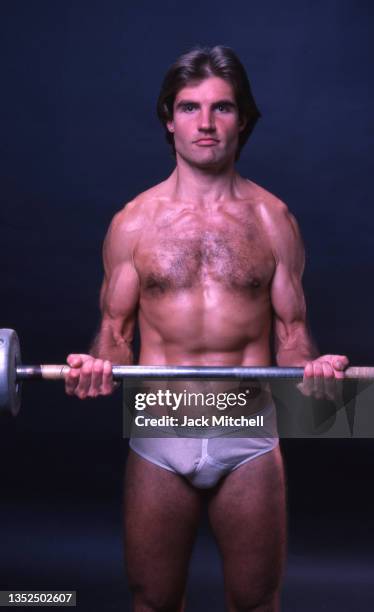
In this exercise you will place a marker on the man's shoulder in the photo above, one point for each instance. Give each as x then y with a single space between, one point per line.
276 218
265 201
140 209
129 223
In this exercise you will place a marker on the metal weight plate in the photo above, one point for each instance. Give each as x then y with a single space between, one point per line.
10 357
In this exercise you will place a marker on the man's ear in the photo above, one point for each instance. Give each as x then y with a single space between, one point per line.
242 123
170 125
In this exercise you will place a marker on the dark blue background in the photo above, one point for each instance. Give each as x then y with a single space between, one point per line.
79 138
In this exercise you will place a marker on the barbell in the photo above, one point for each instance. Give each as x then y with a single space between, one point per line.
13 372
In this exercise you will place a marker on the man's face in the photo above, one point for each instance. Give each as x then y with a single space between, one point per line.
206 123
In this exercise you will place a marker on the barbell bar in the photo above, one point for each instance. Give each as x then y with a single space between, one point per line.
12 372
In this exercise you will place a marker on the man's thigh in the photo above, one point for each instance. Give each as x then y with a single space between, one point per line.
161 517
248 517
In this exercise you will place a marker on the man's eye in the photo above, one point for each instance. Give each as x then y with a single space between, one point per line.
189 107
222 108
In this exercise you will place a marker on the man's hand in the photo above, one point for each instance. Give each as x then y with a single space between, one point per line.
321 377
88 377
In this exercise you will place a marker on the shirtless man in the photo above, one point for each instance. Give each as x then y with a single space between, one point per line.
208 261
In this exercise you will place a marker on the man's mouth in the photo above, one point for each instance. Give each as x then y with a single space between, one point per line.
206 141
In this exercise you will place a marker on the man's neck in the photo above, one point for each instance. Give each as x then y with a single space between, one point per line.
202 185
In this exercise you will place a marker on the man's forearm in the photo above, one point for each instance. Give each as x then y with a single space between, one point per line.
111 346
296 348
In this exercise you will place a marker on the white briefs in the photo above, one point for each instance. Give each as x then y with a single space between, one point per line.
204 461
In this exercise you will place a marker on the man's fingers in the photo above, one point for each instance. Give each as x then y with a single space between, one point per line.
319 380
87 376
325 382
74 360
308 370
329 391
327 370
327 366
96 378
84 379
107 384
71 381
340 363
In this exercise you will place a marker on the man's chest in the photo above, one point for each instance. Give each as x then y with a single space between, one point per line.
190 251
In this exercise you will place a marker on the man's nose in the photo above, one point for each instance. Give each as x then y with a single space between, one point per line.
206 120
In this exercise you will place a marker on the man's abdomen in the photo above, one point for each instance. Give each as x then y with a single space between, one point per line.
205 327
